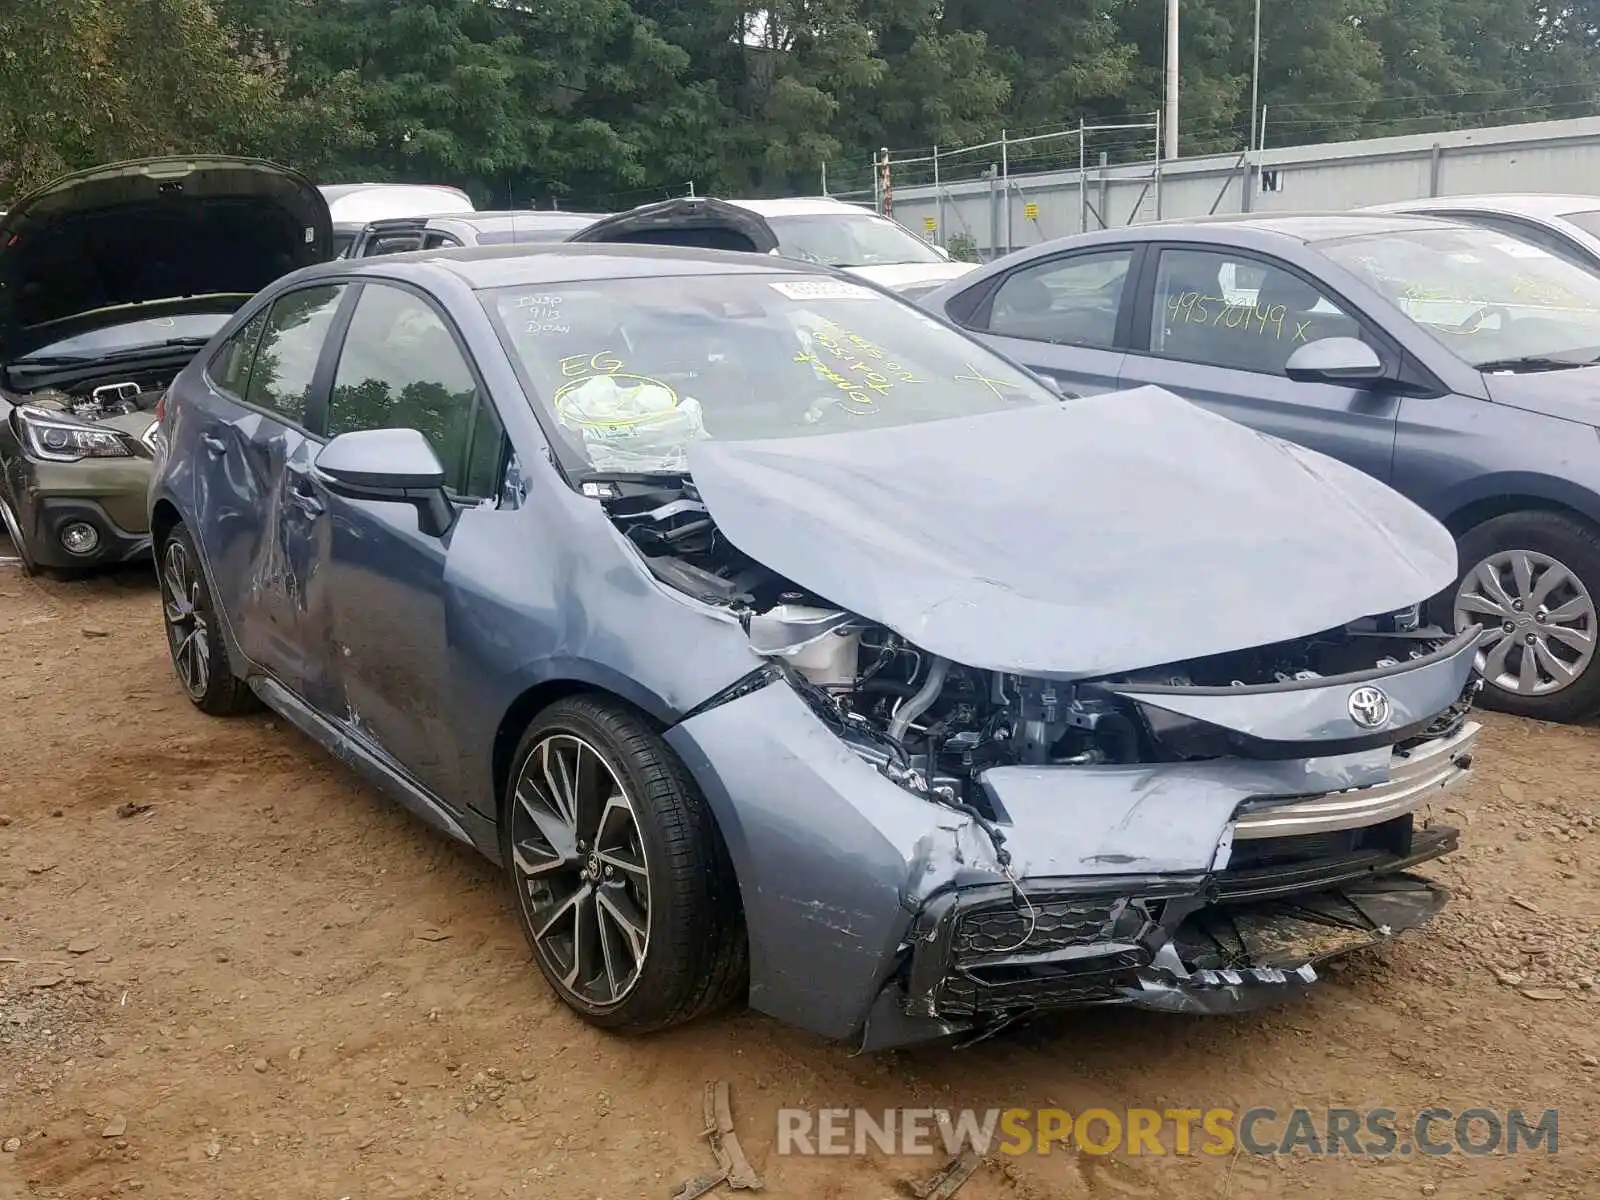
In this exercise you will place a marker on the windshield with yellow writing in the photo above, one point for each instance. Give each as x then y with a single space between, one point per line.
1487 296
635 371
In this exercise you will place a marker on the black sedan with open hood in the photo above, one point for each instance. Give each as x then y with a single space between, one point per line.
110 281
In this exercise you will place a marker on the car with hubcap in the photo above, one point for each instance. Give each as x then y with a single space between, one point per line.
110 280
782 643
1459 364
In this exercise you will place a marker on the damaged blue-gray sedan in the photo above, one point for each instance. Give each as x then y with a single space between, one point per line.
783 643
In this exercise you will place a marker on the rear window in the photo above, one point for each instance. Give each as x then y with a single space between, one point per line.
1588 221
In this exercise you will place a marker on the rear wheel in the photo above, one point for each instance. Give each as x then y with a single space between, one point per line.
622 884
1532 580
194 636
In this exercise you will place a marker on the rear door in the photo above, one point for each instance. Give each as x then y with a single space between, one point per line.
1217 326
402 365
1063 317
256 524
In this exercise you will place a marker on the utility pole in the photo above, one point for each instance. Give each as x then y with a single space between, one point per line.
1171 106
1255 83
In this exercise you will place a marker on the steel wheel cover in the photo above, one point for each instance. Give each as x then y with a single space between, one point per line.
582 875
188 637
1539 622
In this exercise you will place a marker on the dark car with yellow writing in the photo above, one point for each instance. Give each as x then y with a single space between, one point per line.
1458 364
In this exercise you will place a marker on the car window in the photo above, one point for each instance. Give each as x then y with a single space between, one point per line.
1588 221
1230 310
1486 297
400 368
392 243
286 359
230 368
436 240
849 239
1073 301
1527 231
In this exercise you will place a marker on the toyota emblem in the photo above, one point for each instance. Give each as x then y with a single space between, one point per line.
1369 707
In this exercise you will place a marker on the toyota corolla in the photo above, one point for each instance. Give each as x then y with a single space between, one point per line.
782 643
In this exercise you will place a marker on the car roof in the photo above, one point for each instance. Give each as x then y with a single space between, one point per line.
538 264
1304 226
802 206
1526 204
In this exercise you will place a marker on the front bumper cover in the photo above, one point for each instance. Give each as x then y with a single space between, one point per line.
1221 943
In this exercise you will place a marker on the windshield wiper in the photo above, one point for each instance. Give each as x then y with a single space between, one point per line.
68 360
1534 362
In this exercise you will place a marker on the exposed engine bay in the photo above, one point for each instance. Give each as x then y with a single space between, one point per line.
934 726
94 401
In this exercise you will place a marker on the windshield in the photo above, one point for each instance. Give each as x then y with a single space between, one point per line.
636 370
1589 222
152 331
849 239
1491 299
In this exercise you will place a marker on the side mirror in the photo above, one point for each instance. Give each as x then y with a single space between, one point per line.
1335 360
393 465
943 252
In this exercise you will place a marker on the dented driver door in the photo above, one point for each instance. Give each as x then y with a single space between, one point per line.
257 526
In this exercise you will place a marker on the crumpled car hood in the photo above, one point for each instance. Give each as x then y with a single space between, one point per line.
1130 529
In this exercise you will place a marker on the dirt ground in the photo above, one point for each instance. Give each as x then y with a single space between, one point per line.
272 982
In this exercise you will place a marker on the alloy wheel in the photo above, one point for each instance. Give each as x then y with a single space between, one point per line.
1539 622
582 875
188 635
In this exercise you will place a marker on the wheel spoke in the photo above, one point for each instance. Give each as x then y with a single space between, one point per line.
593 788
1522 574
615 904
563 911
534 860
628 862
1472 602
1576 609
1578 639
1527 671
1494 664
1558 670
550 825
1553 577
1488 576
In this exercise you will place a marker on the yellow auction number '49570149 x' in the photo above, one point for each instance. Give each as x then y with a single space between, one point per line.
1196 308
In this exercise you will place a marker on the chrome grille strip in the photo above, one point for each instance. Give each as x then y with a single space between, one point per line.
1429 768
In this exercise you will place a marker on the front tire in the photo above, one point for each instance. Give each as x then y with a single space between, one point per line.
623 886
1532 580
194 633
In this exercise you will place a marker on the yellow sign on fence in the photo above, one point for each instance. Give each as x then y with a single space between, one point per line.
929 225
1030 210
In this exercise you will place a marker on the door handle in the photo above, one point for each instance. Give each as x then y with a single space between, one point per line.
303 498
214 445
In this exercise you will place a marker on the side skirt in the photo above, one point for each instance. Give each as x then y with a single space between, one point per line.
468 828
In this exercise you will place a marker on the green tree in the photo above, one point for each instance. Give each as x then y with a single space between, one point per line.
87 81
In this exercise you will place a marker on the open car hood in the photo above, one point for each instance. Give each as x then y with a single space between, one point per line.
150 237
705 223
1131 529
